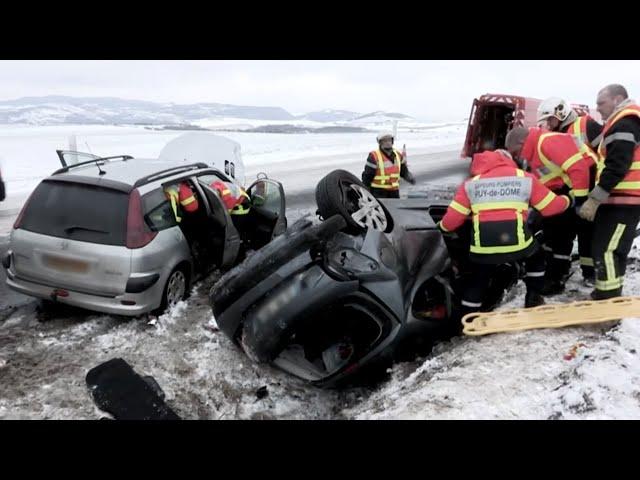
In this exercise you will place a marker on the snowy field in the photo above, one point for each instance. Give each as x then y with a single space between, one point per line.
27 153
204 376
523 375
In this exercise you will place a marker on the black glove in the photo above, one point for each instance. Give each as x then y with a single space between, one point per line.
539 236
534 220
410 178
446 233
572 201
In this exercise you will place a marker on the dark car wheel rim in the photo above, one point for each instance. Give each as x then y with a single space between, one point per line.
369 212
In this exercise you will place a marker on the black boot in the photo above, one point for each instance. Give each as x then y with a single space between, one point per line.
533 299
454 326
606 294
589 276
552 287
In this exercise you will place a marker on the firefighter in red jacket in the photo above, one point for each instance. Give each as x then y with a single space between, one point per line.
238 204
384 167
183 200
235 199
498 198
614 203
557 115
566 167
182 195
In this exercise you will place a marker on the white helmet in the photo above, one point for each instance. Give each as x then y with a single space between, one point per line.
553 107
382 135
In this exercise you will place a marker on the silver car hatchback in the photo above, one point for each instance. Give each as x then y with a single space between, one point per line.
102 235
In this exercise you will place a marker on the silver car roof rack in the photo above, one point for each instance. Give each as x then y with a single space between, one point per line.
169 172
97 161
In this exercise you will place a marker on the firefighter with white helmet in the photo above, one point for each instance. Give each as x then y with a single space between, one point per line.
557 115
556 109
384 134
384 167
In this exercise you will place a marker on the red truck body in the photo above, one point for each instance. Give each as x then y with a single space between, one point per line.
493 115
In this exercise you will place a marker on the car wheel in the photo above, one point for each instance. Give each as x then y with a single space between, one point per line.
176 288
341 193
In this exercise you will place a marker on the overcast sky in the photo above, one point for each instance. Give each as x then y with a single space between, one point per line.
427 89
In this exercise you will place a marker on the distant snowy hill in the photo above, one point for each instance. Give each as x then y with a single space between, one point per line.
329 115
374 115
60 110
54 110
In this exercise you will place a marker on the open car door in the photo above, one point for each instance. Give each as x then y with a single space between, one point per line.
221 222
267 211
68 157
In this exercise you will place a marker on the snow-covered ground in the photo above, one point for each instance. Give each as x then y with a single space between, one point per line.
27 153
204 376
523 375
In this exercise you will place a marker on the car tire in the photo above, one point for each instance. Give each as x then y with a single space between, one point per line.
46 310
341 193
175 289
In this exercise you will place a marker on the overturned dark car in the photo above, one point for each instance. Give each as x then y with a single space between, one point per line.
373 282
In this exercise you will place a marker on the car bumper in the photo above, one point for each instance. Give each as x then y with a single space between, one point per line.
144 302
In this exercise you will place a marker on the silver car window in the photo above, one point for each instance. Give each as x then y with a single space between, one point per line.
157 211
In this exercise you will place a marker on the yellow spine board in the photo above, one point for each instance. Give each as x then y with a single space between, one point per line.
551 316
